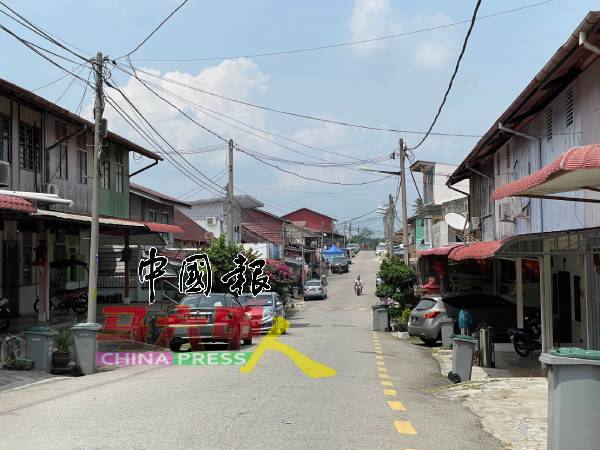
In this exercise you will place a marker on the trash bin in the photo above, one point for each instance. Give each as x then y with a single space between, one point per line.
573 398
381 318
85 346
295 291
447 330
38 346
462 357
487 355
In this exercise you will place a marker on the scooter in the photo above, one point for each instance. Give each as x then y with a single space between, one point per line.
4 314
525 340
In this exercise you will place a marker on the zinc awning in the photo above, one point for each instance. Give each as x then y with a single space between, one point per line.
438 251
163 227
18 204
574 170
476 250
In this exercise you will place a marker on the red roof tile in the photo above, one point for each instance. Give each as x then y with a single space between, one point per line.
16 204
437 251
191 230
476 250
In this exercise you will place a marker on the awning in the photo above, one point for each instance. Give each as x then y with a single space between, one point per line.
437 251
476 250
576 169
16 204
163 227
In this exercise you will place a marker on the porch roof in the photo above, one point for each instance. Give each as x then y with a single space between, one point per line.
438 251
576 169
476 250
16 204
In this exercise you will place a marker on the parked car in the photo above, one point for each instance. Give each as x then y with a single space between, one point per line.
349 255
355 248
398 250
218 318
426 318
380 249
263 309
315 289
339 264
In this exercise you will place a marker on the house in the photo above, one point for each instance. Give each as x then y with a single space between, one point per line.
192 236
316 223
45 149
263 232
543 248
211 214
431 216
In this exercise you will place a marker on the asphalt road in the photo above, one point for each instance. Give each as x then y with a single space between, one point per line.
377 399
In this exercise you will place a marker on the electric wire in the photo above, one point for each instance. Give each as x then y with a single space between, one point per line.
456 67
344 44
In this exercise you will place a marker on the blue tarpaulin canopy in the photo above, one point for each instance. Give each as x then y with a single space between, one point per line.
333 251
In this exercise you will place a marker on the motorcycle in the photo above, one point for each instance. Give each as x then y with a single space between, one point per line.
358 287
525 340
4 314
65 299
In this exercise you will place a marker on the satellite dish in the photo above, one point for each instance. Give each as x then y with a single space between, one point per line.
456 221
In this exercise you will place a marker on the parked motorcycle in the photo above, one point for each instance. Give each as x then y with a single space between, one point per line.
4 314
65 299
525 340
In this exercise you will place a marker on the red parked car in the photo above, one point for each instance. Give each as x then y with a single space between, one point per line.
218 318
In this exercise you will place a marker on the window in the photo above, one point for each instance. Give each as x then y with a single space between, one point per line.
119 171
152 215
487 205
29 146
548 124
569 107
4 138
82 166
164 217
497 163
82 140
105 180
508 157
60 130
63 162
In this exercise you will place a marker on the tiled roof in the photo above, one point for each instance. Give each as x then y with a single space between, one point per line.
16 204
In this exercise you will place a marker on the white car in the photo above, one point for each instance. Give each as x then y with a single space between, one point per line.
380 251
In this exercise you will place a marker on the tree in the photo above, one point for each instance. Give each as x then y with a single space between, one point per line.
221 255
397 281
417 205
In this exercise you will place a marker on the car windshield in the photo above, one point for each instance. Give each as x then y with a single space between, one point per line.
425 304
202 301
313 283
259 300
339 260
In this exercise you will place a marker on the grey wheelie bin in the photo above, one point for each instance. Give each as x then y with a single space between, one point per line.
462 357
381 318
573 398
447 330
38 346
85 346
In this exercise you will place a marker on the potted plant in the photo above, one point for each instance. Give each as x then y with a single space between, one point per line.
62 348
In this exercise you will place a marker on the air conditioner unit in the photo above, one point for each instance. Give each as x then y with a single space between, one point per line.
505 212
48 188
211 221
4 173
475 223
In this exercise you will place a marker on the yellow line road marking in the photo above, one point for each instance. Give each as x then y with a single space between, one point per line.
380 363
384 376
396 405
378 352
389 392
386 383
379 357
382 369
404 427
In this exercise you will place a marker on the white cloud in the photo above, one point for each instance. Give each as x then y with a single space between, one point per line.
374 18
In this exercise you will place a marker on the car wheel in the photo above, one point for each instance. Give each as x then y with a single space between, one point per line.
234 342
175 346
429 342
248 341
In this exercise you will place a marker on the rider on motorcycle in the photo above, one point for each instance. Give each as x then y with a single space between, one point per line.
358 282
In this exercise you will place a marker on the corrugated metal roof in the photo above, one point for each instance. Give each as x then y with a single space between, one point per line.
16 204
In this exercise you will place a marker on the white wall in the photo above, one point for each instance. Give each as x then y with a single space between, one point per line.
441 192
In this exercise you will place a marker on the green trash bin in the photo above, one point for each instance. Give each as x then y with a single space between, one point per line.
38 346
573 398
84 335
462 357
381 318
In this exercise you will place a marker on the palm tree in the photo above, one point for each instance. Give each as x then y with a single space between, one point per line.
417 205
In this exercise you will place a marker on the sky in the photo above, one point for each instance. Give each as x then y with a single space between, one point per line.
396 83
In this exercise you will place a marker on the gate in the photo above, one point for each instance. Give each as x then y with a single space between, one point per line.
10 274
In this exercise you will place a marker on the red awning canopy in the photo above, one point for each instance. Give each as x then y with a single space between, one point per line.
576 169
476 250
438 251
163 227
16 204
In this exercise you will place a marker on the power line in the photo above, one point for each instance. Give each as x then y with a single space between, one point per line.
343 44
456 67
154 30
298 115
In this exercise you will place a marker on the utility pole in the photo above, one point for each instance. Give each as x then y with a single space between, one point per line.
404 209
302 248
230 194
390 225
95 228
